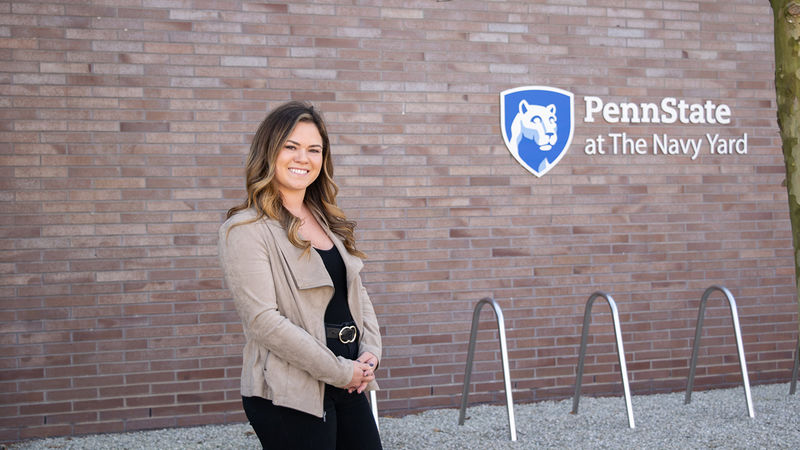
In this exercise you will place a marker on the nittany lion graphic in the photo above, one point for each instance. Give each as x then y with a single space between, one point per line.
537 125
534 122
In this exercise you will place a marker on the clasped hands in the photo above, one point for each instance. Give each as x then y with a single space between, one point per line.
363 372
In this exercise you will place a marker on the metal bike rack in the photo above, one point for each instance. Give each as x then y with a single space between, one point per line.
620 353
793 386
373 404
740 348
504 356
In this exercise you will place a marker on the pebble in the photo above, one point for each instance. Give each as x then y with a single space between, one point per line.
714 419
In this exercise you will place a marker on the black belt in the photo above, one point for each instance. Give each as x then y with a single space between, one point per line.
345 334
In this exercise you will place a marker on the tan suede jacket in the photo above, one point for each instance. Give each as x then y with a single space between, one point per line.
281 296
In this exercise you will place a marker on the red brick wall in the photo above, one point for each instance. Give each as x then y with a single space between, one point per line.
123 134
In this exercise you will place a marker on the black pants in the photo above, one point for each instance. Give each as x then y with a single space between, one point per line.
347 424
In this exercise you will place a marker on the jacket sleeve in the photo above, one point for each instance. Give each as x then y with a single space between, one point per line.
371 339
244 254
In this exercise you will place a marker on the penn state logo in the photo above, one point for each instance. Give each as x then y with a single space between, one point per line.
537 125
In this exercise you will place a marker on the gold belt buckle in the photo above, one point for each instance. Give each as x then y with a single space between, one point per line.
347 334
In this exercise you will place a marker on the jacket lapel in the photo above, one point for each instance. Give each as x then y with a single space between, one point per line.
307 270
353 264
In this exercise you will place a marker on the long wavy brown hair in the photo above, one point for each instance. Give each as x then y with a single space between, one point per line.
263 194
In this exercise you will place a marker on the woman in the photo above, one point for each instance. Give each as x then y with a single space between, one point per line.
290 260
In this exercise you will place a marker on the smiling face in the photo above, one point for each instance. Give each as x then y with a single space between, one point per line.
299 161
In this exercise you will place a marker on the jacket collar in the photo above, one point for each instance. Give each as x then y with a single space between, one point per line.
353 264
308 270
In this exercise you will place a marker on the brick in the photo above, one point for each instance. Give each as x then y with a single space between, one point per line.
98 428
44 431
243 61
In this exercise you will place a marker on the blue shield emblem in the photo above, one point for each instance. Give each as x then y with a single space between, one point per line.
537 125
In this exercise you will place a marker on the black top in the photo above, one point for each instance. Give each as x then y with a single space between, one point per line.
338 312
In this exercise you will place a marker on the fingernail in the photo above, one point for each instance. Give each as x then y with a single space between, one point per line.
371 364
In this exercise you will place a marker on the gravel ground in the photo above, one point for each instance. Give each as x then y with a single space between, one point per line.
714 419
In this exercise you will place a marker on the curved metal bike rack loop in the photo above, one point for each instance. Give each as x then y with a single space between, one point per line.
373 404
587 318
793 386
736 331
501 328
